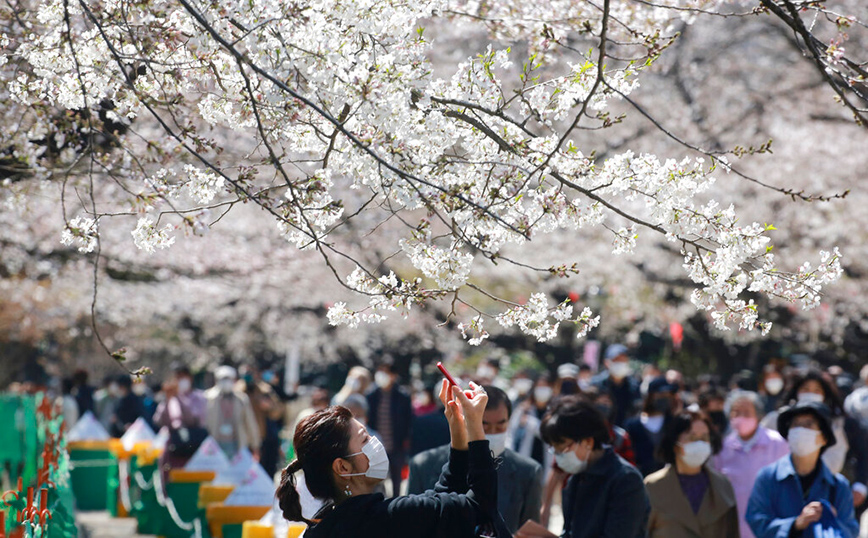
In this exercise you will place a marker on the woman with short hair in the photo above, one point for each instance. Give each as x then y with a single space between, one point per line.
748 448
604 495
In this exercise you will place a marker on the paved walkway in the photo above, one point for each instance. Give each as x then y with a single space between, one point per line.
102 525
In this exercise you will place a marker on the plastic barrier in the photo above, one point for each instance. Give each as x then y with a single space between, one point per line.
41 507
227 521
94 475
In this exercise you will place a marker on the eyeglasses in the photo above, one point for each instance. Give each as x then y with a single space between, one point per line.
551 450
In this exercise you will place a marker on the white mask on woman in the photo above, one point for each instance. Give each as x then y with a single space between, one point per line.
806 397
542 394
774 385
695 453
378 460
570 462
803 441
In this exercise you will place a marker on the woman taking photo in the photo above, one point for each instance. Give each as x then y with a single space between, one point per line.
688 497
342 465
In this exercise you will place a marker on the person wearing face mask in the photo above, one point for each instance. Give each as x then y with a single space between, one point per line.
391 414
748 448
342 464
849 455
619 440
688 497
229 416
128 409
772 387
604 495
712 402
519 479
798 492
106 401
182 413
524 424
358 381
646 430
619 382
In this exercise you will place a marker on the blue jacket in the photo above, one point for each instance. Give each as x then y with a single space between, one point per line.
776 500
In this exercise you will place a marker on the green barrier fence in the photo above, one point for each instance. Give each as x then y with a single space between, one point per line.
41 504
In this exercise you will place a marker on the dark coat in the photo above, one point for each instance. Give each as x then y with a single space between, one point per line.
625 396
401 412
465 498
643 446
519 483
608 500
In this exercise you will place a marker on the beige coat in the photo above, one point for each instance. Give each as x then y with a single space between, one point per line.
672 516
246 429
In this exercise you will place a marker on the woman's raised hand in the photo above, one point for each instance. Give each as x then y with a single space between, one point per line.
454 415
472 404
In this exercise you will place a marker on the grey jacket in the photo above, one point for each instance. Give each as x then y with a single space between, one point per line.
519 483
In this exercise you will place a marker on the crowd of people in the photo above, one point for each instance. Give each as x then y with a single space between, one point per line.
627 451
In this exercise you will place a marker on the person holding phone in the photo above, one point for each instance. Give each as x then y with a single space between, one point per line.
343 464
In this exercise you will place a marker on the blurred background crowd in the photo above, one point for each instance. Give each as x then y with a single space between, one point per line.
257 408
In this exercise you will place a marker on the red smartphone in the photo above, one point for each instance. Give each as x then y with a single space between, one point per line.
447 374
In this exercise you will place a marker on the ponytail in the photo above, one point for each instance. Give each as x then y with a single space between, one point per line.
287 496
319 439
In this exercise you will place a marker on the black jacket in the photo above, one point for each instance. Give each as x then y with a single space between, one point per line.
401 411
607 500
465 498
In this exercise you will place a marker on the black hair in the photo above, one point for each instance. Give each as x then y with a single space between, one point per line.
679 424
830 392
124 381
576 419
496 398
319 440
708 396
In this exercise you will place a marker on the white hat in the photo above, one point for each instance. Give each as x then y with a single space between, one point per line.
568 370
225 372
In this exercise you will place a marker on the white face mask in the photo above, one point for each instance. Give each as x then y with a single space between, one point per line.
522 385
496 442
184 385
354 384
695 453
485 372
382 379
139 389
226 385
774 385
570 462
803 441
620 370
113 390
378 460
542 394
805 397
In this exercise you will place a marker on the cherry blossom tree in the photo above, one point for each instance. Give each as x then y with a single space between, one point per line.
412 180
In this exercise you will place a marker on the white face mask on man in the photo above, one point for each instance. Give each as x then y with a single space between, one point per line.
496 442
378 460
